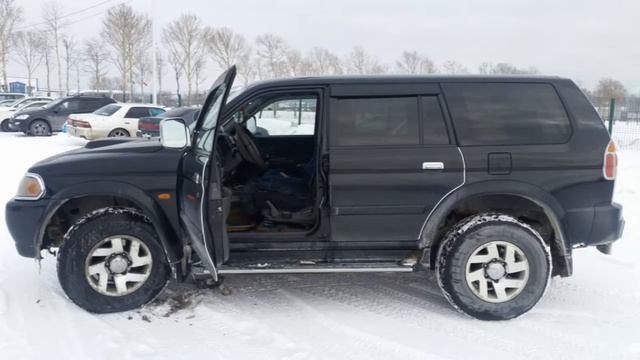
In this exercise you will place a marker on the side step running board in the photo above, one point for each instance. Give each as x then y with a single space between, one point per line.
311 268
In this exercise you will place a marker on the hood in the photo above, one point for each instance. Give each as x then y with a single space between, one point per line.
110 159
31 111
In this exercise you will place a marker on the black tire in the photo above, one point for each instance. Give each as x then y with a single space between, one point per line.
119 132
84 236
480 231
39 128
4 126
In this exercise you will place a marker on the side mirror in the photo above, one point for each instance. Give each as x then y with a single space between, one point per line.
252 125
174 134
56 110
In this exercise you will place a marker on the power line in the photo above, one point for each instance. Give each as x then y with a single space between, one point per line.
26 27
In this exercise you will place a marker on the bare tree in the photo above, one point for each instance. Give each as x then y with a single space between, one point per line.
54 24
454 67
159 70
297 65
28 49
247 67
226 46
360 62
46 54
610 88
272 50
199 77
174 58
69 45
10 14
323 62
186 35
414 63
505 69
143 68
96 58
123 29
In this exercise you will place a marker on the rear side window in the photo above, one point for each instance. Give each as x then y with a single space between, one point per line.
137 112
155 111
107 110
375 121
507 114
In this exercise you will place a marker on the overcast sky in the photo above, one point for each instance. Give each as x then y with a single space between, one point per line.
581 39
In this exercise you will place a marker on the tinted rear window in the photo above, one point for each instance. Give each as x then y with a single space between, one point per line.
507 114
434 130
107 110
376 121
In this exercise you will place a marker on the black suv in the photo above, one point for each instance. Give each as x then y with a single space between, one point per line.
52 117
488 181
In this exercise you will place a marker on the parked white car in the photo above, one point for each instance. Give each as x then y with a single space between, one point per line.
113 120
6 112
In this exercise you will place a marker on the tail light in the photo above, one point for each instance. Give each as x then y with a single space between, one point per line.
148 125
81 124
610 166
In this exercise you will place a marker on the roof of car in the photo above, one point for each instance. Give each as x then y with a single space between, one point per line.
370 79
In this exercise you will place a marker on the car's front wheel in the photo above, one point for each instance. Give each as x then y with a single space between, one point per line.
493 267
39 128
4 126
112 261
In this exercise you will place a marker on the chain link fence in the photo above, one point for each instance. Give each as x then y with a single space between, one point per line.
622 117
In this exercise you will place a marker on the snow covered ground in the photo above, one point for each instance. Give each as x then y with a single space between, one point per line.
595 314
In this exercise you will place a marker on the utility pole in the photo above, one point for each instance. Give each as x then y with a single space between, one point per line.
154 65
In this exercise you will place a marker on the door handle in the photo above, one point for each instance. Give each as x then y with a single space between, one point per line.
437 165
196 178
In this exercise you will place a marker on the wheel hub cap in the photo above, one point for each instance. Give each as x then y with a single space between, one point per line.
495 270
118 263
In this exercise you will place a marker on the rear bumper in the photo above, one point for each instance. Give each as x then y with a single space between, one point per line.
608 224
600 225
80 132
24 219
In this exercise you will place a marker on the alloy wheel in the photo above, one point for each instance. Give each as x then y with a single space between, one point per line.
118 265
497 271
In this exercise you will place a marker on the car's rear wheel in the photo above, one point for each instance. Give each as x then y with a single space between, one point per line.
4 126
39 128
112 261
493 267
119 133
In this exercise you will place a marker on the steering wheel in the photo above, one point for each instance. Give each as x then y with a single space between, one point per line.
247 146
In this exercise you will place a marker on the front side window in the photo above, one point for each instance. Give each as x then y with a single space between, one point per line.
375 121
204 137
507 113
289 116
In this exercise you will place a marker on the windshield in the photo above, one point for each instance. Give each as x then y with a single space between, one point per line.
107 110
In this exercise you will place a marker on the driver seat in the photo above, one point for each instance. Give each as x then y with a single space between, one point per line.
276 191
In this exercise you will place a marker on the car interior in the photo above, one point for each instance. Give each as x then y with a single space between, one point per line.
267 153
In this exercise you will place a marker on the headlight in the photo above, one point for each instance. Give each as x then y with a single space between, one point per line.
31 187
22 117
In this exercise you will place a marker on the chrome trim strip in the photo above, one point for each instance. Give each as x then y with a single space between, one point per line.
464 181
202 223
312 270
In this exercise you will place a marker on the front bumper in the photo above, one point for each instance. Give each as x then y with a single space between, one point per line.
19 125
24 220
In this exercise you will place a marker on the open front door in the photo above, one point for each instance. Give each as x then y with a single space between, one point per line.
203 203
